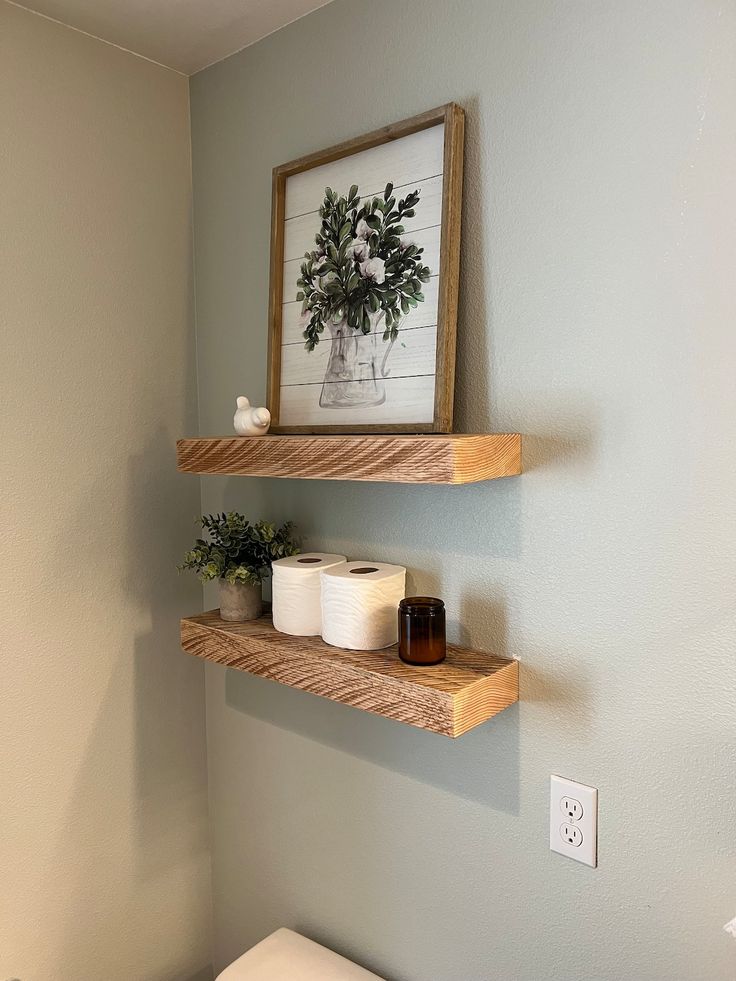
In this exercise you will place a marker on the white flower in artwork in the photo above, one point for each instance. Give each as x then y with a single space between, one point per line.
374 269
363 229
359 250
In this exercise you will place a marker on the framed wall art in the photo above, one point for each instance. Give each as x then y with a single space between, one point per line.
365 251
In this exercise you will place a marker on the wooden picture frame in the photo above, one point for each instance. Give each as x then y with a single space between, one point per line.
297 402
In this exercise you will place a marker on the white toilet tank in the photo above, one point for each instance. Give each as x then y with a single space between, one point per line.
287 956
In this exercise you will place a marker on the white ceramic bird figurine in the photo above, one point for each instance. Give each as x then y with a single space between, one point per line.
249 421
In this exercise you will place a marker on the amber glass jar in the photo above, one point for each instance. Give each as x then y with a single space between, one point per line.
422 630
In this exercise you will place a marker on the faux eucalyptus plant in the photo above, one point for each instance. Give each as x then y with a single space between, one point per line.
361 265
238 551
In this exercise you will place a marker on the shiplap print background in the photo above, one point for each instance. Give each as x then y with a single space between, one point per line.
412 162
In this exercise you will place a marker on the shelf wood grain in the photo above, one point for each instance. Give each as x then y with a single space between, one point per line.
430 459
450 698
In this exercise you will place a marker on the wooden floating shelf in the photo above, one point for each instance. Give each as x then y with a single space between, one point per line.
451 698
435 459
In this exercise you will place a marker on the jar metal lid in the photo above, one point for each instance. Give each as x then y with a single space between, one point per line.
424 606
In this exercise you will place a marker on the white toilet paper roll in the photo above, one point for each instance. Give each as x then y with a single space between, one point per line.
360 605
296 590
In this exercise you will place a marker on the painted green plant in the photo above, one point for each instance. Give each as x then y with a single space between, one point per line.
361 265
237 550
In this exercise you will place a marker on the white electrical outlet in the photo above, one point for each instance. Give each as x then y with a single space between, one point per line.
573 820
572 835
571 808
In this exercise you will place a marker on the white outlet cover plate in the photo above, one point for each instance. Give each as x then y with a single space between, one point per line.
587 851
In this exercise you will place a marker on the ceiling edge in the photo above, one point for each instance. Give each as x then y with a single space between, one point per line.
257 40
102 40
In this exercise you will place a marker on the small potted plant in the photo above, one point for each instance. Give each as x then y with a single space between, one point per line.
239 555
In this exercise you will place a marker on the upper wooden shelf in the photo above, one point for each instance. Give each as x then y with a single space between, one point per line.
451 698
435 459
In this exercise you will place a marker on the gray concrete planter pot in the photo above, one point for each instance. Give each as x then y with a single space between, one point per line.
240 601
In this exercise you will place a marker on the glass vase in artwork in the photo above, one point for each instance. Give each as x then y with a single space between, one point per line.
356 368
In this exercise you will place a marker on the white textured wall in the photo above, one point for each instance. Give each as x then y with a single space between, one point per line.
104 868
597 317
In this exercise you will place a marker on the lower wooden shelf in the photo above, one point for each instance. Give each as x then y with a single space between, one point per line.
451 698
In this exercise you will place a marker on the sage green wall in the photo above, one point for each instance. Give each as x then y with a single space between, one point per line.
597 313
104 860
